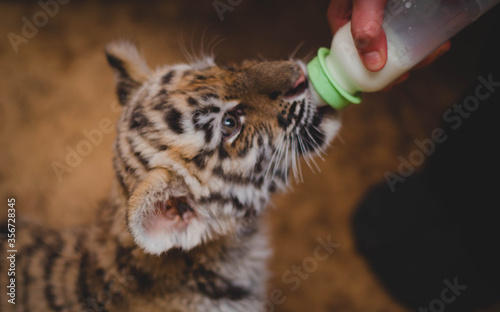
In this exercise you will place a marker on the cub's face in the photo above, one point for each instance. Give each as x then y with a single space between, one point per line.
200 147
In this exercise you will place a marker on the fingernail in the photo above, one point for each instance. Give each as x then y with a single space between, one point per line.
373 60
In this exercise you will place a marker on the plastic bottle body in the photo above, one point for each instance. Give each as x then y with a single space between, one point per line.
346 66
414 28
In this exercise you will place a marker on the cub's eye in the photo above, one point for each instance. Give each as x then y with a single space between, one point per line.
230 125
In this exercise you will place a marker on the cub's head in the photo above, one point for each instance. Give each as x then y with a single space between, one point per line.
200 147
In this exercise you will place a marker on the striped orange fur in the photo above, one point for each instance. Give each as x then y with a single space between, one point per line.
199 150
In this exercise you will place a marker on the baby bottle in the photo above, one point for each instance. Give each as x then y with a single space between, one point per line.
414 28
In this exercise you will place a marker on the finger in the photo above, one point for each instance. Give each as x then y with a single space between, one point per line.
369 37
445 47
338 14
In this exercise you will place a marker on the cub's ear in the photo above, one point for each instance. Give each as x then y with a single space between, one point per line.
160 214
131 70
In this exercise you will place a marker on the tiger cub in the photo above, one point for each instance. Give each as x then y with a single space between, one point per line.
199 150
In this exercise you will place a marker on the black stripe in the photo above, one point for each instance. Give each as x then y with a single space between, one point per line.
138 156
207 110
199 161
218 198
237 178
292 109
250 214
209 96
209 131
273 96
272 187
64 274
138 120
120 179
162 105
301 113
157 144
245 147
233 178
191 101
117 64
216 287
196 119
204 112
260 140
168 77
311 135
291 113
153 138
83 292
53 253
128 169
236 203
122 92
174 120
144 281
141 159
258 168
125 83
214 197
222 151
283 122
211 110
240 109
123 256
27 279
270 133
203 88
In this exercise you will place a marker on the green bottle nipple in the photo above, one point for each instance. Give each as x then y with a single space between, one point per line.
325 84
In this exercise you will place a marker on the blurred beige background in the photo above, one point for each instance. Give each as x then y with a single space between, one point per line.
58 84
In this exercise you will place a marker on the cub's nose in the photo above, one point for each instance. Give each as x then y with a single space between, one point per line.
278 78
298 87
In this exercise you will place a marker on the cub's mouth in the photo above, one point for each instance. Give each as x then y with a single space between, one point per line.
309 124
303 89
300 86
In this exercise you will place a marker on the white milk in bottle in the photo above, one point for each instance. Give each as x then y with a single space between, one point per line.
346 66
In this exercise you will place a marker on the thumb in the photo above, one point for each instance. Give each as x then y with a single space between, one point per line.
369 37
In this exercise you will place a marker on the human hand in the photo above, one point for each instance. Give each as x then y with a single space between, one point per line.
367 17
